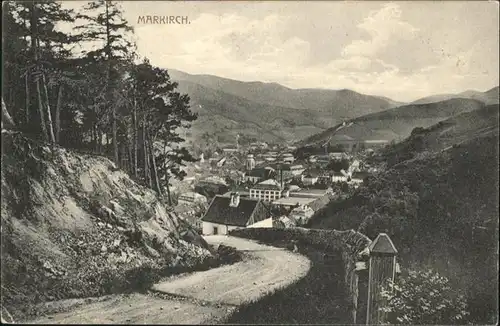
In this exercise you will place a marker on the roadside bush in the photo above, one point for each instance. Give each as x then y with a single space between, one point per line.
423 297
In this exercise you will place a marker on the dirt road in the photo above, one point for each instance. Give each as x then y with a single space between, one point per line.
197 298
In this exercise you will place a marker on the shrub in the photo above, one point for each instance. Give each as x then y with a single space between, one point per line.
423 297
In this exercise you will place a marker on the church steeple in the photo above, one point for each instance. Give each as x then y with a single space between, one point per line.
250 162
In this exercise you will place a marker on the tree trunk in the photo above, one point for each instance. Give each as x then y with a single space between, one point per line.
7 121
115 136
123 156
130 155
99 140
92 137
136 138
155 170
27 90
49 114
34 48
27 81
167 184
147 171
40 111
110 89
167 177
58 112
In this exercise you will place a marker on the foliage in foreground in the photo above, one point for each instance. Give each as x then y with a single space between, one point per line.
423 297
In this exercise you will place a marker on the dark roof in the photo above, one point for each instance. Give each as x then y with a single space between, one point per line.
382 245
282 166
312 173
320 202
266 186
261 173
361 175
249 211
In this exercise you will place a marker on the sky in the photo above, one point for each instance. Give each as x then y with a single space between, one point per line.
403 50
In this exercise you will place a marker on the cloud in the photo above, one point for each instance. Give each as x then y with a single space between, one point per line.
227 43
401 50
383 26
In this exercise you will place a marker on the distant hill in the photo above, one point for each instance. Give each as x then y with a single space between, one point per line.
445 134
342 104
226 115
270 111
489 97
396 123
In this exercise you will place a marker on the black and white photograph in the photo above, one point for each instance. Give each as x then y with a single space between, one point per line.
250 162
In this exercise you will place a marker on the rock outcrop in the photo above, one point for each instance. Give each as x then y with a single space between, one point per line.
74 225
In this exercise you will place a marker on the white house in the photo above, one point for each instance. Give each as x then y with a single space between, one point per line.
310 178
358 177
338 177
337 155
268 190
192 198
227 213
301 214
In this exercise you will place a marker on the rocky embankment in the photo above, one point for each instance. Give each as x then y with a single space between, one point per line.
74 225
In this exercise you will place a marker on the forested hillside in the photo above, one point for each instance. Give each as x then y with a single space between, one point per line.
441 210
446 133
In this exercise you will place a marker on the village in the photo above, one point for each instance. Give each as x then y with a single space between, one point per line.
268 185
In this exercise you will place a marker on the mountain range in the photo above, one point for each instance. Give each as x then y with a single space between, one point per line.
396 123
489 97
269 111
275 113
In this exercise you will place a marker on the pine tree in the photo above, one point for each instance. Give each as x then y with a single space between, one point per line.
108 27
163 111
33 48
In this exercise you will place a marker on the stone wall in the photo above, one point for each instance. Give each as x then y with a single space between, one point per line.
351 244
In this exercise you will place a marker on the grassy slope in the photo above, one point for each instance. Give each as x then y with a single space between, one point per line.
75 226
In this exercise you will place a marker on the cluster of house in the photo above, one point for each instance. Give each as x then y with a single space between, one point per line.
266 205
269 198
270 201
317 176
308 176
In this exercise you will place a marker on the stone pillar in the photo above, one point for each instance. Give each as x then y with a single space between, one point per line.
382 267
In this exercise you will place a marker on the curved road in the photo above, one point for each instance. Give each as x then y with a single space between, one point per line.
197 298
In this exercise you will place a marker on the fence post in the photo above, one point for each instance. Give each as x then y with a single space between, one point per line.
382 266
